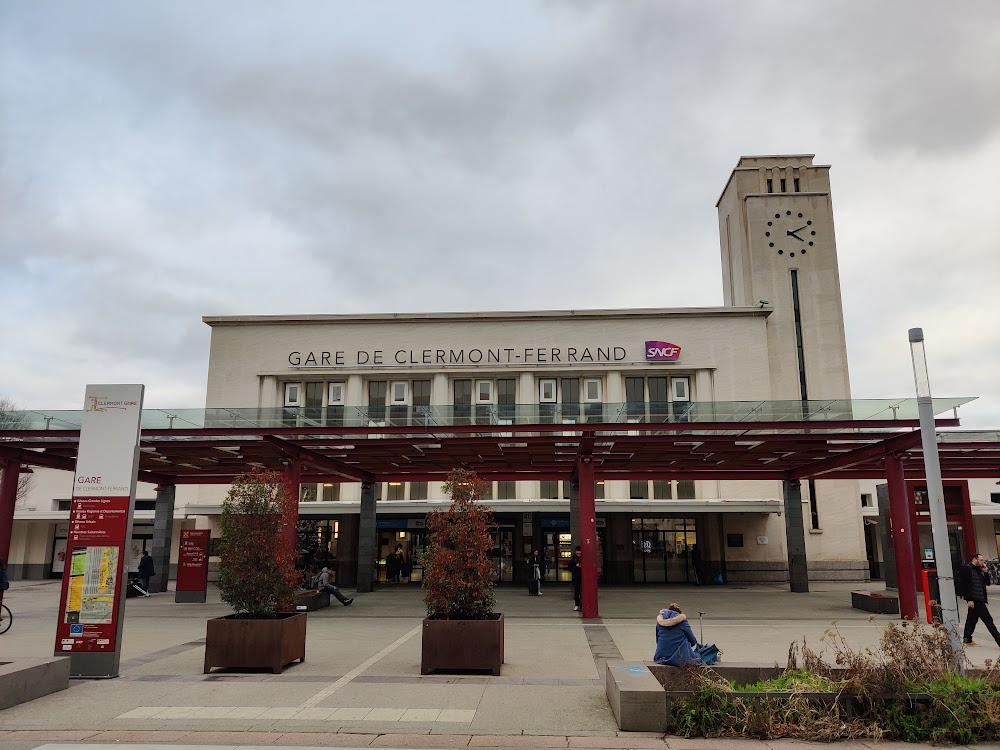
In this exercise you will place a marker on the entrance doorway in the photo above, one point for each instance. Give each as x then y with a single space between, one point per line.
557 549
665 550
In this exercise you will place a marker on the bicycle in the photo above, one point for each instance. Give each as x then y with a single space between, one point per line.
6 618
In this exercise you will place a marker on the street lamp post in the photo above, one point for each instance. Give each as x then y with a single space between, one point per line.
935 495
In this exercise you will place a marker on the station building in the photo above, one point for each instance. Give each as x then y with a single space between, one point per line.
778 338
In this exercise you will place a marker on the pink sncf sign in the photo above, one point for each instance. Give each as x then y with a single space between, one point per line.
662 351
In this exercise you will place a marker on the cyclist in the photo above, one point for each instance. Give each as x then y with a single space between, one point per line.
4 585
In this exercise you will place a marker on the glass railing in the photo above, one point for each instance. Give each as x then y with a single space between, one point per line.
494 415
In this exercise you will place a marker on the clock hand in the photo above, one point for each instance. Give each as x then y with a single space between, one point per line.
799 229
792 234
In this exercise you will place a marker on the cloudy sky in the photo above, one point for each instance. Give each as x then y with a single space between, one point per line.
161 161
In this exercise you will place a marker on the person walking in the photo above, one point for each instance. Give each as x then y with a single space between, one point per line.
146 570
972 582
575 566
536 572
326 584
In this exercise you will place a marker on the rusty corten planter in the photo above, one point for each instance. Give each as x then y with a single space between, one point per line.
239 642
462 645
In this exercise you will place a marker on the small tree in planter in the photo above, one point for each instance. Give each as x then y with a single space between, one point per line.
461 631
257 577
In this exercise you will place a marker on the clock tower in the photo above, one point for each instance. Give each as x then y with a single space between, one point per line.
779 251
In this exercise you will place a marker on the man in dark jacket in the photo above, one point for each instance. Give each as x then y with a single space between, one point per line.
972 582
575 566
146 570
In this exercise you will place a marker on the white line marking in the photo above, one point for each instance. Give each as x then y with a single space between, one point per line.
330 690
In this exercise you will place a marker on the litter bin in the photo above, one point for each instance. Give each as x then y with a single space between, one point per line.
932 594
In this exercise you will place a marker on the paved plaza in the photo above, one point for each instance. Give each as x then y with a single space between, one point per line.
360 685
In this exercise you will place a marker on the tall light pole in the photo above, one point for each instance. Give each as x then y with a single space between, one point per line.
935 495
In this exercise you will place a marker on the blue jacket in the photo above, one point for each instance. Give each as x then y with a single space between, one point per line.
675 644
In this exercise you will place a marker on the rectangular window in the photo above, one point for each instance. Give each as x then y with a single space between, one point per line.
685 489
662 489
400 392
995 497
293 394
548 489
376 401
331 492
638 489
795 183
421 393
314 395
335 394
547 391
866 500
592 390
394 491
681 389
599 489
462 401
418 490
506 490
783 189
484 391
307 493
770 186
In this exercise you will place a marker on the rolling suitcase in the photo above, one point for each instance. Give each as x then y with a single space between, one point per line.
533 587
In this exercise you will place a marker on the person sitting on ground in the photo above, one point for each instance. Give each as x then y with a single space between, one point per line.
326 584
675 641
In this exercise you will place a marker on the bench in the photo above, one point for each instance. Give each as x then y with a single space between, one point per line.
637 699
874 601
307 601
23 680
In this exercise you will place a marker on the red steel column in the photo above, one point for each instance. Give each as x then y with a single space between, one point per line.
588 536
8 499
902 537
293 474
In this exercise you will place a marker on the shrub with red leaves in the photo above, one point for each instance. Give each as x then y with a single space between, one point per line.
458 572
257 573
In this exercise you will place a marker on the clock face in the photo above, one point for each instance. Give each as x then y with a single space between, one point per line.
789 233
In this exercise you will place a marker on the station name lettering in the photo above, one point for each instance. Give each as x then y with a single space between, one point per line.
458 356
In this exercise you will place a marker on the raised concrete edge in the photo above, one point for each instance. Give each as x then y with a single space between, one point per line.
23 680
638 700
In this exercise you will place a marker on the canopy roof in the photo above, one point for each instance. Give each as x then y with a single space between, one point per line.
762 440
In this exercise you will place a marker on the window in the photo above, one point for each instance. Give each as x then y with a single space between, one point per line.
307 493
506 490
400 392
685 489
662 489
770 186
293 394
335 394
638 489
331 492
418 490
795 183
995 497
599 489
421 393
866 500
314 395
376 402
592 390
394 491
548 489
681 389
547 391
783 188
484 391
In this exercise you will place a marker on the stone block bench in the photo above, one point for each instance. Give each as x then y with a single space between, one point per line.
637 698
874 601
23 680
307 601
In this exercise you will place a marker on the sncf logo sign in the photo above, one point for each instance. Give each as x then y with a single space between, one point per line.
662 351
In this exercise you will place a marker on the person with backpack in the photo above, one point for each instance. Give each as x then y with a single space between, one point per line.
146 570
972 582
675 641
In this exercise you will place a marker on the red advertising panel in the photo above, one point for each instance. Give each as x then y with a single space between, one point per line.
192 561
91 603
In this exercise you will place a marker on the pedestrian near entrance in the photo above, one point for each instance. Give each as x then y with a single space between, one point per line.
395 564
972 582
146 570
536 572
576 570
326 584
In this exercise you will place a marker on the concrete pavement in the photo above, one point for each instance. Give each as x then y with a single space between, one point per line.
360 685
